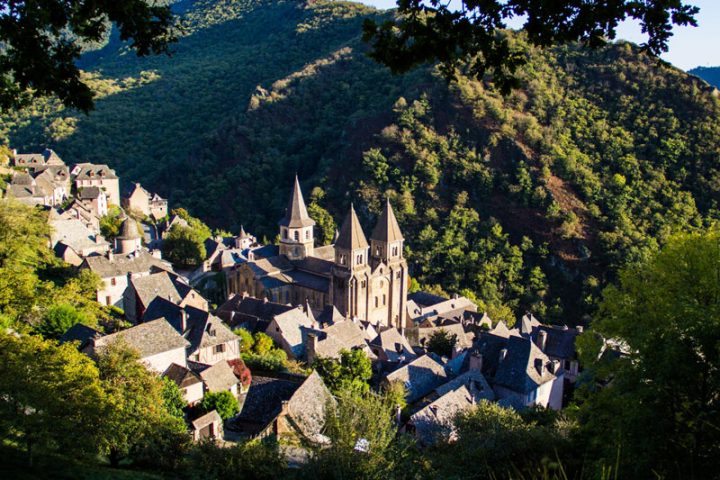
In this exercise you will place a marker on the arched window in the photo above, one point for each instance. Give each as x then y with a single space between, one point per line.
362 284
376 302
284 232
377 251
359 260
384 299
307 234
342 259
395 251
297 235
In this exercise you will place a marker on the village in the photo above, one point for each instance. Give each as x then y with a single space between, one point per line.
314 302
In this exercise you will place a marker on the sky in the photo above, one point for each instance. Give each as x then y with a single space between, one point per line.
689 47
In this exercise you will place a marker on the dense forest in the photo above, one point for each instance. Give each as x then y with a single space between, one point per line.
709 74
532 201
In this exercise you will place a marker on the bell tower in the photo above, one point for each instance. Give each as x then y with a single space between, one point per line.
297 238
350 273
387 259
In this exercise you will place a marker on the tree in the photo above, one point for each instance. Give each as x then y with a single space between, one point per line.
51 398
137 408
253 460
173 398
442 342
658 411
58 319
262 343
42 41
183 246
246 339
428 31
224 402
351 372
111 222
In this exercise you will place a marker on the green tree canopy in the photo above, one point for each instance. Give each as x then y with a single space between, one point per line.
51 397
660 406
428 31
351 372
42 41
442 342
224 402
137 404
58 319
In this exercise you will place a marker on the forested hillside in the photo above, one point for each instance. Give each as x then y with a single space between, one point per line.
709 74
531 201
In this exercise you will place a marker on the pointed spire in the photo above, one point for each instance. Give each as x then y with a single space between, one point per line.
296 215
387 228
351 236
242 232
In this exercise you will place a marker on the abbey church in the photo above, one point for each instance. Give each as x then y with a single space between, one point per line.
360 280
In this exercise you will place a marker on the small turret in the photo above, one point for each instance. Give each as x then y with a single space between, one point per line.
297 238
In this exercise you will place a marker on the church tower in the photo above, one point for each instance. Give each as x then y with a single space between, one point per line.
296 228
389 269
350 273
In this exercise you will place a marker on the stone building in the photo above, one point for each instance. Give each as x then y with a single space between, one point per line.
362 280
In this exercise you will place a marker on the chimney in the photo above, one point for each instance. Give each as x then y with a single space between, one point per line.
183 321
579 328
476 361
503 354
542 339
110 255
310 347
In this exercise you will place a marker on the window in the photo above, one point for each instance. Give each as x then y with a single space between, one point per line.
108 300
377 251
297 236
113 282
399 275
284 232
384 299
307 234
342 259
395 251
376 302
359 260
362 284
220 348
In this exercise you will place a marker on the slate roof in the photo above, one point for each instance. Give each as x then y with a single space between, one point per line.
129 229
329 315
351 234
89 193
344 335
560 341
266 251
149 338
293 325
424 299
523 367
309 280
161 284
89 171
209 418
395 345
527 323
202 329
250 310
137 262
475 378
219 377
183 377
326 252
420 377
387 228
296 215
79 333
75 234
457 329
315 265
264 400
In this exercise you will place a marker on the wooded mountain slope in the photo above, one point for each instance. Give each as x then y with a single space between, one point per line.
531 201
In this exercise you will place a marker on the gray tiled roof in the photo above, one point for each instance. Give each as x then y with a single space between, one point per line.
209 418
296 215
89 171
251 313
293 325
264 400
129 229
219 377
88 193
394 345
147 338
560 341
138 262
420 377
162 284
351 234
79 333
183 377
344 335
